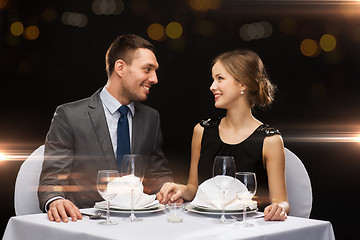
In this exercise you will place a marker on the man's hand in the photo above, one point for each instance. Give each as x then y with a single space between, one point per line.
62 209
171 192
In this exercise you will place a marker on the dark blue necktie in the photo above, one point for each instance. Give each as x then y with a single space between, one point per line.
123 136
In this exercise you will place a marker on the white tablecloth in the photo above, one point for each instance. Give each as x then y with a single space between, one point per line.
155 226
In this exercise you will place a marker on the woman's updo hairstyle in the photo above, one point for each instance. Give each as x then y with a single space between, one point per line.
247 68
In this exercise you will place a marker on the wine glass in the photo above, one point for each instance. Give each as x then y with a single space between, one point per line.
104 177
249 181
132 172
224 176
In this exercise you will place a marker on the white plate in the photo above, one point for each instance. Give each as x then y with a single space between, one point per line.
157 208
203 210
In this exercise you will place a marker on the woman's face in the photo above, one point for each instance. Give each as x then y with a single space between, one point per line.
226 90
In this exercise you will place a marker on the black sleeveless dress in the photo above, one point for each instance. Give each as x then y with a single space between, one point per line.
247 154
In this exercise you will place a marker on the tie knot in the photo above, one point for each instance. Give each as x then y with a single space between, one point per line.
123 110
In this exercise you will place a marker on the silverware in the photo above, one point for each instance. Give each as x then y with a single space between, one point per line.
94 216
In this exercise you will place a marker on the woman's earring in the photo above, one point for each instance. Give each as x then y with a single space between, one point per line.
242 92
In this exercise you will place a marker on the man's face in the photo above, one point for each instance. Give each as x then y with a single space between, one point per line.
139 76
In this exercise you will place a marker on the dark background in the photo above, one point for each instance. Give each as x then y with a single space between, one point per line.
317 97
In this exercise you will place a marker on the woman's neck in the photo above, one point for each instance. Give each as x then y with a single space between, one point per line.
240 118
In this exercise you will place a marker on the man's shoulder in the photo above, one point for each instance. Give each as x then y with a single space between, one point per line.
74 105
81 103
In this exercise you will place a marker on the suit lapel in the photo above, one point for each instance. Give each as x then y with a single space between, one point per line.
137 129
97 116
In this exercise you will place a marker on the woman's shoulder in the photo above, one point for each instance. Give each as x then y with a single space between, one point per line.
210 123
267 130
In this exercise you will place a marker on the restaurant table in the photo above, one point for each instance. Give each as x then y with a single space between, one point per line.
155 226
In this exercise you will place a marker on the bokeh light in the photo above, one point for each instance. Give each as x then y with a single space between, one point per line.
3 4
31 32
204 5
309 48
107 7
156 32
16 28
328 42
255 31
267 29
174 30
74 19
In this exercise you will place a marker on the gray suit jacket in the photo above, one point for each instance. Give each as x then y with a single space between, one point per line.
78 144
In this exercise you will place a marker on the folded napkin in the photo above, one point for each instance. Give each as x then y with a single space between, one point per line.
209 195
123 198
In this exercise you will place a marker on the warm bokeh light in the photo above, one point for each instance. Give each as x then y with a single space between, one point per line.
3 4
156 32
174 30
309 48
16 28
204 5
31 32
328 42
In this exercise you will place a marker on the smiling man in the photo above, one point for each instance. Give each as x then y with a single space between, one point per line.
94 133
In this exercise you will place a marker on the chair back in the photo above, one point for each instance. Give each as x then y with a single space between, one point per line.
27 182
298 186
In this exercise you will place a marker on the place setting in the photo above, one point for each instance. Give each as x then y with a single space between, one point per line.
123 191
227 193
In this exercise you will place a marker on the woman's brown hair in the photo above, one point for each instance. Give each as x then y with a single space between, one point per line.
246 67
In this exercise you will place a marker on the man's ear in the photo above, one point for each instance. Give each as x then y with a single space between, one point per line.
120 67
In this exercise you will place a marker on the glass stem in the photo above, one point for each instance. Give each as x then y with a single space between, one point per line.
132 203
244 212
107 211
223 205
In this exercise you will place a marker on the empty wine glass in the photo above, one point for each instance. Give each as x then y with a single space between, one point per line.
104 177
224 176
249 180
132 172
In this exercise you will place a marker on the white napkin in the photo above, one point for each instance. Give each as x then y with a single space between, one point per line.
209 195
123 198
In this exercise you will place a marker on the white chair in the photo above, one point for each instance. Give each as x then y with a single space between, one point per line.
298 186
27 182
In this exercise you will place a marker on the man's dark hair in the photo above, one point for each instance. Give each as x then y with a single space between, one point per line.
124 47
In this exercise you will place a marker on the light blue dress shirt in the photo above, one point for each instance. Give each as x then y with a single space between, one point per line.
111 106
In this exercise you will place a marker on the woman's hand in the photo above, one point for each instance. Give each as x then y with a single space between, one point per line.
275 212
171 192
